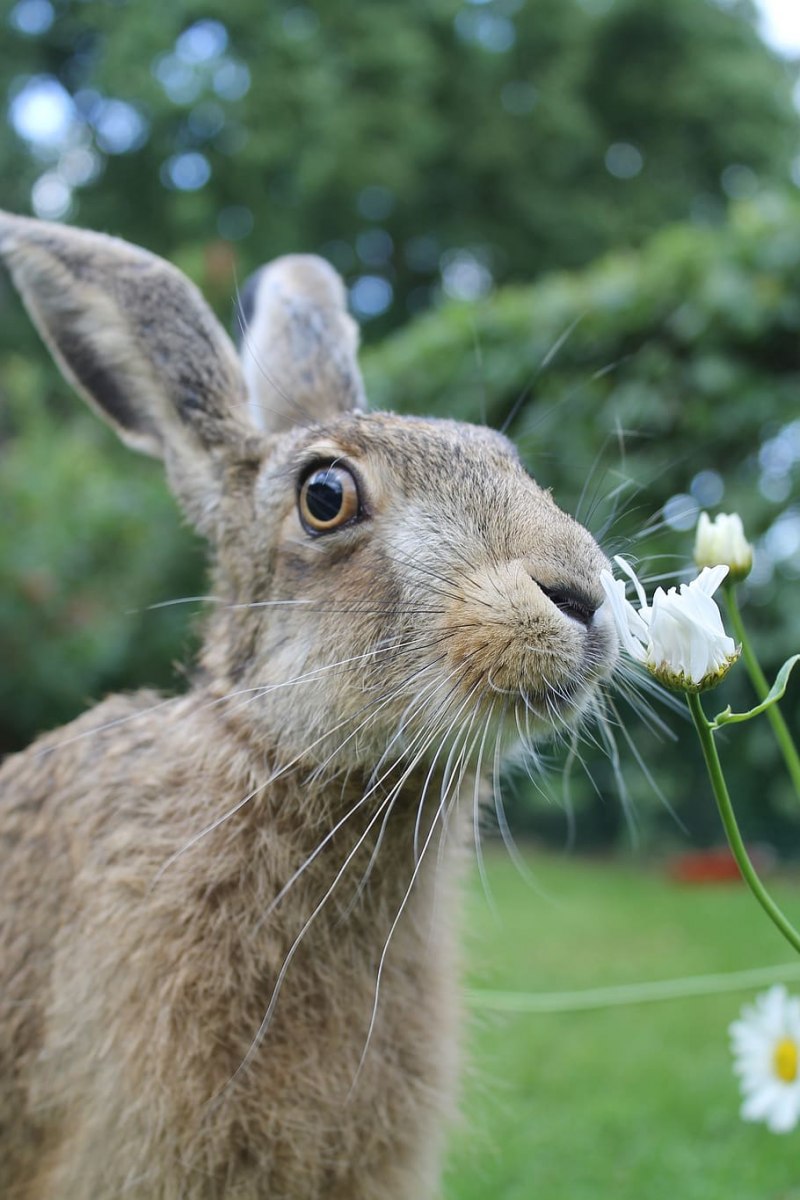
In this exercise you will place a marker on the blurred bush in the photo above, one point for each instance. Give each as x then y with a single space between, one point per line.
89 538
424 147
641 389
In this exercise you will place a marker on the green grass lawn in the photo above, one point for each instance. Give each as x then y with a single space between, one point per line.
630 1103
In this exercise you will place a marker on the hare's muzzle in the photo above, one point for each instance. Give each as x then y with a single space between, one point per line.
527 634
578 605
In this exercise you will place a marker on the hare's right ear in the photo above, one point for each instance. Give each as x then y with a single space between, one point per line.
298 344
138 341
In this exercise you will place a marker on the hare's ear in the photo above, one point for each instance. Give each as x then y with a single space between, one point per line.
298 344
138 341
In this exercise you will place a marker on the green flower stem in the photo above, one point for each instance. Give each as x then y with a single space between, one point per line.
731 827
779 726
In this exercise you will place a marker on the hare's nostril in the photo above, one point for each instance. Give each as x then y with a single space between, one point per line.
573 604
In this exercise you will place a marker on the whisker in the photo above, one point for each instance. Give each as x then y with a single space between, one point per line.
444 738
646 770
135 716
543 365
396 921
624 795
380 702
566 791
332 832
262 1029
476 823
395 791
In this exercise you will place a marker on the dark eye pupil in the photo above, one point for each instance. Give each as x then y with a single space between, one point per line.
324 496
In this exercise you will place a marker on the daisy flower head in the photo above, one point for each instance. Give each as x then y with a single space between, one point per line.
722 541
679 638
766 1052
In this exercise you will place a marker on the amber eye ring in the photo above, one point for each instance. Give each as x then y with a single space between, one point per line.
328 499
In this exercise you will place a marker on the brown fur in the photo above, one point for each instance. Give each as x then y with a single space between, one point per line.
147 846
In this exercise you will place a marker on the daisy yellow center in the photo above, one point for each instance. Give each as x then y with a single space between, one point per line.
785 1060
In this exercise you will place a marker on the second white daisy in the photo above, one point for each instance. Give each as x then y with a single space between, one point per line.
766 1049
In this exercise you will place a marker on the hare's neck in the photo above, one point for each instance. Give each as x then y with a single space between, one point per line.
305 883
289 843
326 899
351 848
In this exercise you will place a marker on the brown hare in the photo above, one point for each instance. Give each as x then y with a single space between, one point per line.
228 932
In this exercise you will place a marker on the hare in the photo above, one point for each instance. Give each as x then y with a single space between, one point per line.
229 928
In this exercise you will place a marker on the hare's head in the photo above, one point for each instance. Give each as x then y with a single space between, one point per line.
384 584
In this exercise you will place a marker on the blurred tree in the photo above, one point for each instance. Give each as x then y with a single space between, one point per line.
419 145
89 539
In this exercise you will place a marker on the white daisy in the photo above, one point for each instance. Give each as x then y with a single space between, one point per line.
722 541
679 637
766 1049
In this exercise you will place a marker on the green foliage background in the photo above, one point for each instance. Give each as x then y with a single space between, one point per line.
642 335
479 128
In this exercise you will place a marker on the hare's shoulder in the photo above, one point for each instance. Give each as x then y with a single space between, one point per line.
127 761
47 794
69 760
90 812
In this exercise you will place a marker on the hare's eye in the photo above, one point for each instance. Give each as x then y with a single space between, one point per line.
328 499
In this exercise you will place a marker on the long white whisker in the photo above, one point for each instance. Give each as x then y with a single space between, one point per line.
394 793
262 1029
444 738
174 700
400 911
645 769
333 831
378 704
502 823
476 820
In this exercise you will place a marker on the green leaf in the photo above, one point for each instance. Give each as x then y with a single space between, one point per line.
726 717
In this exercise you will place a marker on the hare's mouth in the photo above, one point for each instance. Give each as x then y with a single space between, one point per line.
555 708
543 711
561 702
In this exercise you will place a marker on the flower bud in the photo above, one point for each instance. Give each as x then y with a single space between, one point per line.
721 542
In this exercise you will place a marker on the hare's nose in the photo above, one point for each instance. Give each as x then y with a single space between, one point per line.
572 603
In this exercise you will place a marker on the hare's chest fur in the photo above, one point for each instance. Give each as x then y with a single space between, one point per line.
152 988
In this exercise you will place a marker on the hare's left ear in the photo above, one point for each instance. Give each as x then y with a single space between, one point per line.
138 341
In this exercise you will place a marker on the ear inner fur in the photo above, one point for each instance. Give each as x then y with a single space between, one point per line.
130 331
298 344
140 344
